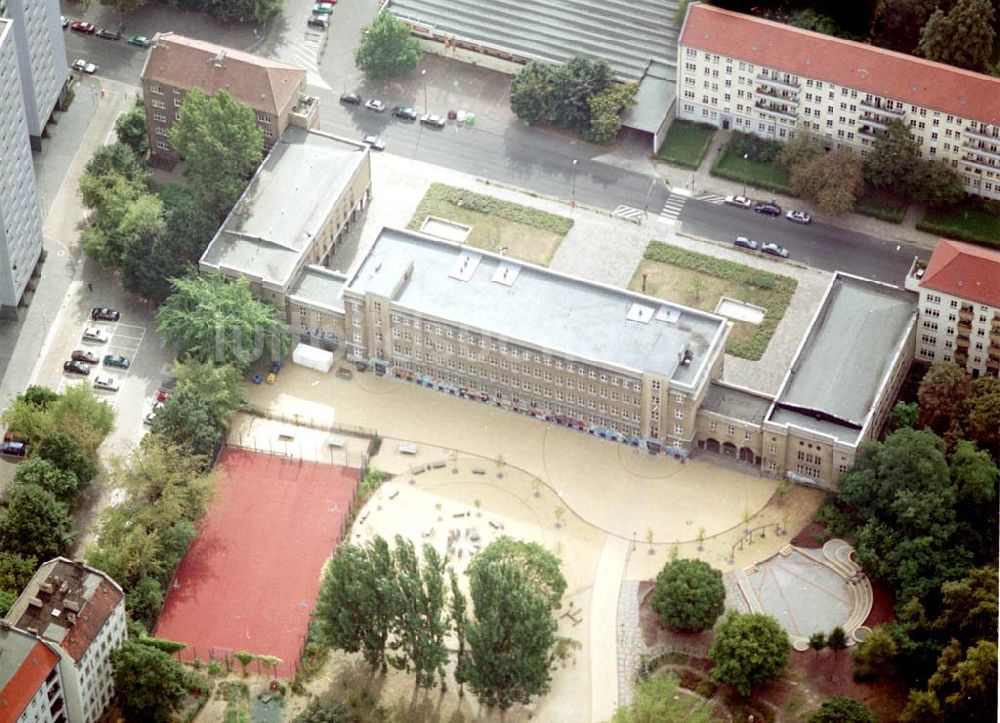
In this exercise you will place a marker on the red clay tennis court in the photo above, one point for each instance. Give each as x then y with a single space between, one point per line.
250 577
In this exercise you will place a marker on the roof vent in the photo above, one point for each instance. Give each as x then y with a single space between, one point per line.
465 265
963 100
863 74
640 313
56 613
34 602
506 273
71 605
668 314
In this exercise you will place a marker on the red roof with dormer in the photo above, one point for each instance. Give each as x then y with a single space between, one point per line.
865 68
964 270
22 686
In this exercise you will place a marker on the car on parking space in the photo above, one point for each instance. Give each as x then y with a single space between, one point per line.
116 360
768 209
151 415
318 21
163 395
324 8
741 201
375 143
96 335
404 112
350 99
375 105
102 313
139 41
107 383
798 216
82 26
87 357
64 21
75 367
14 449
746 243
109 34
769 247
82 66
434 121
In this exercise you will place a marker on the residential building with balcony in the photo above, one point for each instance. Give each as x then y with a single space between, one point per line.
959 307
20 215
41 59
175 64
618 364
79 613
31 688
775 81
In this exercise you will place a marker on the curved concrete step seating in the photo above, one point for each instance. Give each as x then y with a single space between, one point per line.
746 589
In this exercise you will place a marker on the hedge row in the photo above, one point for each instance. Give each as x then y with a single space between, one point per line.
780 290
493 206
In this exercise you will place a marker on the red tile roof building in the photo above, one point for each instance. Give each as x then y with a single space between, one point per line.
758 76
30 684
80 613
959 306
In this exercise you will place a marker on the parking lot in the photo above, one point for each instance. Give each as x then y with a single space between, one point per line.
124 340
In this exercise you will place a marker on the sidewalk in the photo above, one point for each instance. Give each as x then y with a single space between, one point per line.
704 182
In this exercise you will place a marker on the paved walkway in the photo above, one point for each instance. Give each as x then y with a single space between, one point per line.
604 665
703 182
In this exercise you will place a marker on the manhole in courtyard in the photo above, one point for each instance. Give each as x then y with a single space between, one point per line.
739 310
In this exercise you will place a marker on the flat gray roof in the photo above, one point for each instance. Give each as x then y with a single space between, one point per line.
845 357
272 226
548 310
625 33
736 403
320 287
657 91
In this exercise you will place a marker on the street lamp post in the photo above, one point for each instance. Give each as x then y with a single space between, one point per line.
423 76
745 172
573 202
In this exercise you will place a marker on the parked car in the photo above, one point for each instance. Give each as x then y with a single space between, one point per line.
741 201
324 8
96 335
404 112
163 395
350 99
774 249
109 34
88 357
140 41
746 243
375 143
82 66
375 105
151 415
798 217
100 313
318 21
82 26
105 382
116 360
64 21
434 121
769 209
75 367
14 449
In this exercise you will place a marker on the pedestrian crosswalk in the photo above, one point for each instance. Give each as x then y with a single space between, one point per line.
712 198
635 215
674 205
305 54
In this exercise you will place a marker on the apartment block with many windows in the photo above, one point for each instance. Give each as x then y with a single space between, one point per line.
758 76
175 64
31 689
79 613
959 307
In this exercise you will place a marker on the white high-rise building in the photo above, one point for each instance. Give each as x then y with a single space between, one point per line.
20 218
41 58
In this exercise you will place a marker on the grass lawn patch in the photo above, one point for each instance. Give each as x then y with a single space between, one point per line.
974 221
237 697
527 233
686 144
761 169
699 281
881 205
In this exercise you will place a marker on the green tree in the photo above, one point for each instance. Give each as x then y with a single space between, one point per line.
387 49
221 145
969 607
35 524
836 640
65 453
573 85
897 23
689 595
149 684
656 700
113 180
144 600
187 420
817 641
220 387
975 477
606 111
541 567
893 159
942 395
124 6
140 230
874 656
63 484
212 320
243 11
86 417
420 624
833 180
904 414
459 623
39 396
531 94
841 709
748 649
936 184
130 129
15 573
324 711
511 636
967 687
982 414
963 36
922 706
